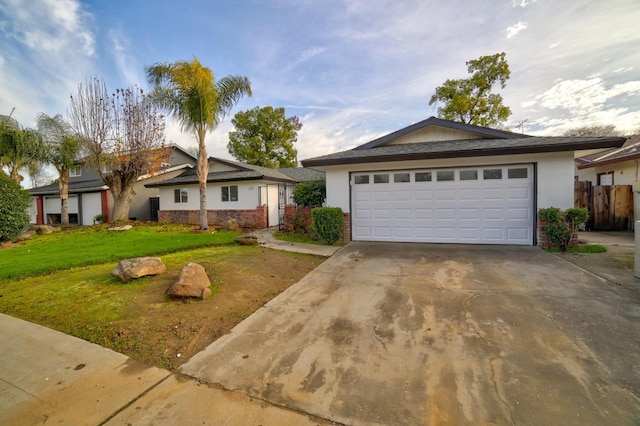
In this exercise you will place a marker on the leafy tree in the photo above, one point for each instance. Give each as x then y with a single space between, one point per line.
14 202
62 150
310 194
470 100
265 137
20 148
594 130
123 135
189 92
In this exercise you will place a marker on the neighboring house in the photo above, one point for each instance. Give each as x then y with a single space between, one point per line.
252 195
447 182
89 197
618 166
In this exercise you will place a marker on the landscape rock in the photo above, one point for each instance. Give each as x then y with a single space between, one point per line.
192 282
120 228
43 229
232 225
130 269
247 240
25 235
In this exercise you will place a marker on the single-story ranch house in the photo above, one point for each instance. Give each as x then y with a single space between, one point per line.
440 181
252 195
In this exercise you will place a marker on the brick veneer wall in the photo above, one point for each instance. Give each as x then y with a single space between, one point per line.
346 234
257 218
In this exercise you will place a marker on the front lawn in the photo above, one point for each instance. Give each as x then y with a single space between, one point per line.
138 318
94 245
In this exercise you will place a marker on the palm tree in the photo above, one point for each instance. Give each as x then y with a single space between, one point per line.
20 148
190 93
62 149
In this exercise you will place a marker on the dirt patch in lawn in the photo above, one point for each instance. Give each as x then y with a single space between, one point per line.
167 332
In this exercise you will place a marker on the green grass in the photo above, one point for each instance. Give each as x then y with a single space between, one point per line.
299 238
95 245
586 248
87 301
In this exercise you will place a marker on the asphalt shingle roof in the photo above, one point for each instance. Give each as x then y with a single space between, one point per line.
464 148
629 151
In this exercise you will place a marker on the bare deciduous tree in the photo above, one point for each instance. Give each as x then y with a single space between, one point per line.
124 136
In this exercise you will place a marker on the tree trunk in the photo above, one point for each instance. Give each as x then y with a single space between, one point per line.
203 172
63 185
123 194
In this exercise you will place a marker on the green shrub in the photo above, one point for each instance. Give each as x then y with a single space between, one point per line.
561 226
310 194
14 202
328 222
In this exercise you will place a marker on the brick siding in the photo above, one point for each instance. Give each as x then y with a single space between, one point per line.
256 218
543 241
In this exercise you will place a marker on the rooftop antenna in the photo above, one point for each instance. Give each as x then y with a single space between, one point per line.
520 124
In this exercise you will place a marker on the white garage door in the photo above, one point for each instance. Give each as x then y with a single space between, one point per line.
476 205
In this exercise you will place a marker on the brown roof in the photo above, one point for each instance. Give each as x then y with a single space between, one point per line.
630 150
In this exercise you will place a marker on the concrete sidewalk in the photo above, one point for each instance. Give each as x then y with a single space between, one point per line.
266 239
48 377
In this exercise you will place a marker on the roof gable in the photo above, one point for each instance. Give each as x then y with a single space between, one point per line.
436 129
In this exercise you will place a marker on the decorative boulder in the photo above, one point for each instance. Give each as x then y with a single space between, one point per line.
43 229
120 228
192 282
130 269
25 235
247 240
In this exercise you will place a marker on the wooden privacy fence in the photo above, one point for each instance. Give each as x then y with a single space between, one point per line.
610 207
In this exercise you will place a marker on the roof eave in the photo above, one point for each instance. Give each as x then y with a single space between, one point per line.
608 162
483 152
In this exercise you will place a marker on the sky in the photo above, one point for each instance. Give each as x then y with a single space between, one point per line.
351 70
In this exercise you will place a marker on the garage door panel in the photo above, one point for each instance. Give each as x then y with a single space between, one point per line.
382 196
362 214
402 195
423 213
493 194
493 234
402 214
518 193
446 194
382 214
518 214
423 195
471 208
382 232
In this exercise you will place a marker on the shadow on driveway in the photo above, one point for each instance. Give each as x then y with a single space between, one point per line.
385 333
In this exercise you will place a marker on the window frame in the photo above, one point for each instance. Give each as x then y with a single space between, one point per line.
229 189
181 195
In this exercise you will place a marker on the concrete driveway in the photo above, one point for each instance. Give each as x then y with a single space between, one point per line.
440 334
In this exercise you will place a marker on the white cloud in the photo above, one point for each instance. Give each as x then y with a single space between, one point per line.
521 3
584 102
50 26
515 29
127 64
305 56
554 45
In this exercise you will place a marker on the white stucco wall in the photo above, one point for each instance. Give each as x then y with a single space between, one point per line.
625 173
248 197
555 175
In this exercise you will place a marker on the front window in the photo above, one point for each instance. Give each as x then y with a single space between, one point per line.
230 193
180 195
